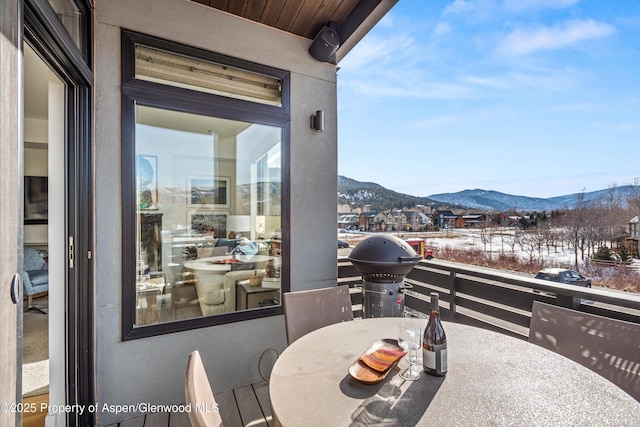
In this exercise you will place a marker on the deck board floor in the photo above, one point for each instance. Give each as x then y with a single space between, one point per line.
240 407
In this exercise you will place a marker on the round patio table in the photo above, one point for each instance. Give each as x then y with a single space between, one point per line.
492 379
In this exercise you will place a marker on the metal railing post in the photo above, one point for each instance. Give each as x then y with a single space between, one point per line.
452 294
567 301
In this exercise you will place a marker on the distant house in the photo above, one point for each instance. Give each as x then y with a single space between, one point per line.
443 218
348 221
500 218
373 221
416 220
472 221
425 219
366 218
396 221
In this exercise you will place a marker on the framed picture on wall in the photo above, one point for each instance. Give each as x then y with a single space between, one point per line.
36 199
208 192
208 223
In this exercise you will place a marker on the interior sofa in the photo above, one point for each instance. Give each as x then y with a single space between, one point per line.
215 297
214 300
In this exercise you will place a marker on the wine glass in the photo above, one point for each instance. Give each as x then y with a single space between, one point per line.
410 338
421 319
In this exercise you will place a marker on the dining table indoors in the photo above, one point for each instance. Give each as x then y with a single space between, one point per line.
492 379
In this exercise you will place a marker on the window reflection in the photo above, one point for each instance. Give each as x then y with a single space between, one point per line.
71 17
208 215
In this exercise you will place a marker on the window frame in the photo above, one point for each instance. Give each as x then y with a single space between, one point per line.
151 94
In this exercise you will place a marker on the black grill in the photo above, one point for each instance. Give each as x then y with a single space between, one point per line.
384 261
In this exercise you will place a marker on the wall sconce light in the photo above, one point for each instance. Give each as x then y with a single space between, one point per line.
317 121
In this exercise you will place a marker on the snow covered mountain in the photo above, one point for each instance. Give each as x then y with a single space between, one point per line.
356 193
494 200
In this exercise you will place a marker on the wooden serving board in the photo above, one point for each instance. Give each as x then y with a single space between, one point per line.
359 371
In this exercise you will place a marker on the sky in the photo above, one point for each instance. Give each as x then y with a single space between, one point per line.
537 98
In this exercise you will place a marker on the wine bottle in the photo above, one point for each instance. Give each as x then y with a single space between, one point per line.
434 342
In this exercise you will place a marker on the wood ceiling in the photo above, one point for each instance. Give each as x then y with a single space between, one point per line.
301 17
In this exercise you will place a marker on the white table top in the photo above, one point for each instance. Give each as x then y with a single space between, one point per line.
207 264
493 379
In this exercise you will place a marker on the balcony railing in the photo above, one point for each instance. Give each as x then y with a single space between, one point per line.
495 299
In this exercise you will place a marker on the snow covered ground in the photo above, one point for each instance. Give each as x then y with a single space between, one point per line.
500 242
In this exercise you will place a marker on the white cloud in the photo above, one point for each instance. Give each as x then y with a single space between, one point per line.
387 21
478 8
576 107
527 5
380 87
490 82
460 7
534 81
570 33
434 122
469 7
377 49
441 29
474 11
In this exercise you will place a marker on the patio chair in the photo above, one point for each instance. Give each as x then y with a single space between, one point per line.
35 277
197 390
607 346
306 311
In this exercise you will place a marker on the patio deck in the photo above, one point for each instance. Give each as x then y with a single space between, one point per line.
486 298
243 406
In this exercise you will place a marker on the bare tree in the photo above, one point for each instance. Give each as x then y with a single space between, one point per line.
510 238
554 237
614 216
575 226
528 244
485 236
539 239
633 199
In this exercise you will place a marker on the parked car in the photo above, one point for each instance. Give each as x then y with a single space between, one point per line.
562 275
342 244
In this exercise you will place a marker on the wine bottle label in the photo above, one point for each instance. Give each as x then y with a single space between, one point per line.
429 359
436 360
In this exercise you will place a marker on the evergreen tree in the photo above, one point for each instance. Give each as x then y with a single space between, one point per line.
603 253
624 252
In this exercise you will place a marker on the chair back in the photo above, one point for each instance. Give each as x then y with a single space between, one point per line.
306 311
607 346
33 260
204 409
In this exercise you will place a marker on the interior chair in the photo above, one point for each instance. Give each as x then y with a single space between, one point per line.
182 290
306 311
197 390
35 277
607 346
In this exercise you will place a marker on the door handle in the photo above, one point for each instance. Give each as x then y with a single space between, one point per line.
16 283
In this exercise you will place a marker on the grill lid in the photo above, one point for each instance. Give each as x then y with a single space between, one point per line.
383 254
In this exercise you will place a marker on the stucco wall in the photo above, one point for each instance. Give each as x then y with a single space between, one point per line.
151 370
